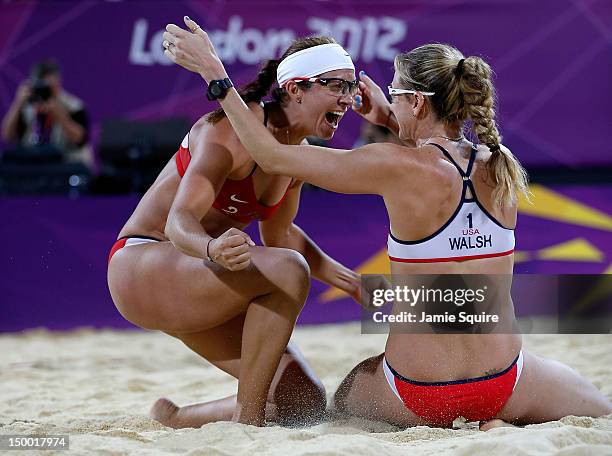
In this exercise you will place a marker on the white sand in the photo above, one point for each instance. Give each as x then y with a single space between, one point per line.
98 386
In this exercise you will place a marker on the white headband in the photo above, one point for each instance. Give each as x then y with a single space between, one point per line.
313 61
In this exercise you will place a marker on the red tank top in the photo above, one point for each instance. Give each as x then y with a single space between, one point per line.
236 198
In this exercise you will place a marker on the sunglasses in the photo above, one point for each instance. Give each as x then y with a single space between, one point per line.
393 91
336 85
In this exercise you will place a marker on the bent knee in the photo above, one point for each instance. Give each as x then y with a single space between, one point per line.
290 262
287 270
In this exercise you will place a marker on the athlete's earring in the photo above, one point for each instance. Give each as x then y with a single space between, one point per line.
299 100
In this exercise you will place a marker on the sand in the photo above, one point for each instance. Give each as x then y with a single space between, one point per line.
97 386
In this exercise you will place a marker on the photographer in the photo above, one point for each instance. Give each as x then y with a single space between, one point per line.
46 121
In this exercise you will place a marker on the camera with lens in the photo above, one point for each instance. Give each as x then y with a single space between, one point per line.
41 91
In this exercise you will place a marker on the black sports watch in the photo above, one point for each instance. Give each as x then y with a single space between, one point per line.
217 89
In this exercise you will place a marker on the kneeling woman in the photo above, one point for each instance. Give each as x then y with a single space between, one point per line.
444 186
183 265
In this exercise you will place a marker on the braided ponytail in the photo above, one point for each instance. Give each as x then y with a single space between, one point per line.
478 96
464 91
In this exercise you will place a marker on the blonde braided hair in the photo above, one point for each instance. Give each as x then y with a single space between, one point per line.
464 91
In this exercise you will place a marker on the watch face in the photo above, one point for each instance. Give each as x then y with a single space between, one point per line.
216 90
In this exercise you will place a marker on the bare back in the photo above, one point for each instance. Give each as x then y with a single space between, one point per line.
427 201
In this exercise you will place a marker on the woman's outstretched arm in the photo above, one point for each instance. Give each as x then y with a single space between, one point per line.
369 169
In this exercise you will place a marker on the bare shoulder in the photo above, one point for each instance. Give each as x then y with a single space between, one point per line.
386 151
432 171
424 159
402 159
484 153
222 130
205 135
408 168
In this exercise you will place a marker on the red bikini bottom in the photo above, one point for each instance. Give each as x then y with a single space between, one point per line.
440 403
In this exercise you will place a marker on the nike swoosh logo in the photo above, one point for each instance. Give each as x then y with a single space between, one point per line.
235 198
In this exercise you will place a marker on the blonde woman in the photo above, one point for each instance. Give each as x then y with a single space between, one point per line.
444 184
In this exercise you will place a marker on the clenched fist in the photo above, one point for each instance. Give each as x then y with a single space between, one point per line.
231 250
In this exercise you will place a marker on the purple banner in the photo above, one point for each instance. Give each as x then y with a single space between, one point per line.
552 57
